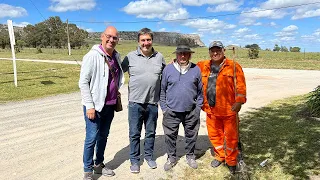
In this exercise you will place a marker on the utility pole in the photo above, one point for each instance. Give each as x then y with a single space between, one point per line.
69 48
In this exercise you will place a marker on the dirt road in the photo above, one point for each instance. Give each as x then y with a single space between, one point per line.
43 138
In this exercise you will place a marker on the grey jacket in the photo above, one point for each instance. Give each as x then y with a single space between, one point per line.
94 75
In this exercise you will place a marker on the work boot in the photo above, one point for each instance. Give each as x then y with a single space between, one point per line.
215 163
88 176
232 169
102 169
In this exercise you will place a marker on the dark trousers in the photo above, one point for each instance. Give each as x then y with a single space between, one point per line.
191 123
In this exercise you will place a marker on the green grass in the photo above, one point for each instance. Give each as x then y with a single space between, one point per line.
31 75
277 132
37 80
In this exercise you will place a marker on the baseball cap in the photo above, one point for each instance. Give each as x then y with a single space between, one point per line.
216 44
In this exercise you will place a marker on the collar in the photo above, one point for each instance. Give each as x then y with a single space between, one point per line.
139 53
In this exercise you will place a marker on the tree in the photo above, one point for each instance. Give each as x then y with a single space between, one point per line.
294 49
52 32
4 38
253 53
276 48
255 46
284 49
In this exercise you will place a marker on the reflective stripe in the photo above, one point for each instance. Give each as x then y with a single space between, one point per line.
230 149
242 95
219 147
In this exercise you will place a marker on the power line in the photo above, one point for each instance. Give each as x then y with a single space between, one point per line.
200 17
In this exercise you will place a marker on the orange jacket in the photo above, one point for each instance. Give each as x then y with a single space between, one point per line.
224 87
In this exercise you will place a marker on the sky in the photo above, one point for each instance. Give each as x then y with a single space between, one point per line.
287 23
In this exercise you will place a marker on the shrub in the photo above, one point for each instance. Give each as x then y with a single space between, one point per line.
253 53
313 102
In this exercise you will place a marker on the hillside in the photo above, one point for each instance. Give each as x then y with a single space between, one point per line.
162 38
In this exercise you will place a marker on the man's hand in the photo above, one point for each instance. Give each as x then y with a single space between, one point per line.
236 107
91 113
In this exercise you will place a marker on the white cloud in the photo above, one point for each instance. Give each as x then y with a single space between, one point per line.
284 33
242 30
208 24
306 14
273 24
257 24
284 3
252 36
262 13
247 21
226 7
12 11
287 38
90 30
180 13
162 30
22 24
148 8
218 31
317 32
71 5
290 28
202 2
301 8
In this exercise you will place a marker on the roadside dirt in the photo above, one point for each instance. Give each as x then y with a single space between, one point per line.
43 138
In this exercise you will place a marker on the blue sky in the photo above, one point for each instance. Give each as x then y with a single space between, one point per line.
266 23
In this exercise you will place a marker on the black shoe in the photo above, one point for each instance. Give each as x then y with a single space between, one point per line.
215 163
232 169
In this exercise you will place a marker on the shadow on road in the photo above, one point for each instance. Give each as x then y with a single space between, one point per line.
202 145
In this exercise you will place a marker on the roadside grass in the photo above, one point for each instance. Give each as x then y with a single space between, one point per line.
278 132
37 80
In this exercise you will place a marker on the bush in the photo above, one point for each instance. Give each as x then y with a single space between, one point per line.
38 50
313 102
253 53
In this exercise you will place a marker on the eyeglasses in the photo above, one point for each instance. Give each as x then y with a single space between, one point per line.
115 38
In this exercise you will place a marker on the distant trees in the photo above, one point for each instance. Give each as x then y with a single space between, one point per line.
53 33
294 49
254 46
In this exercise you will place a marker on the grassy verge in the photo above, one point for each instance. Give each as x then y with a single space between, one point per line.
278 132
37 80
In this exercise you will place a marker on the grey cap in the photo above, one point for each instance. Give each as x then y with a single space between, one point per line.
183 48
216 44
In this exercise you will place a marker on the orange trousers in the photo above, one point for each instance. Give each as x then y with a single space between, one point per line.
223 135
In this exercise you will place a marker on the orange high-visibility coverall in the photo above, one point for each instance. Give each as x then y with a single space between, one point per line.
221 120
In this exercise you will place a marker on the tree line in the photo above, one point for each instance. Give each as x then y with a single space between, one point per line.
49 33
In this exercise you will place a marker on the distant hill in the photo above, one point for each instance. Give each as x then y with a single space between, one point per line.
162 38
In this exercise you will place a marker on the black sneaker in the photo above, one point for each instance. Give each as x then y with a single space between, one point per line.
232 169
215 163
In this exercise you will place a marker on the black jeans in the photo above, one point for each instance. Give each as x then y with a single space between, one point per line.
191 123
